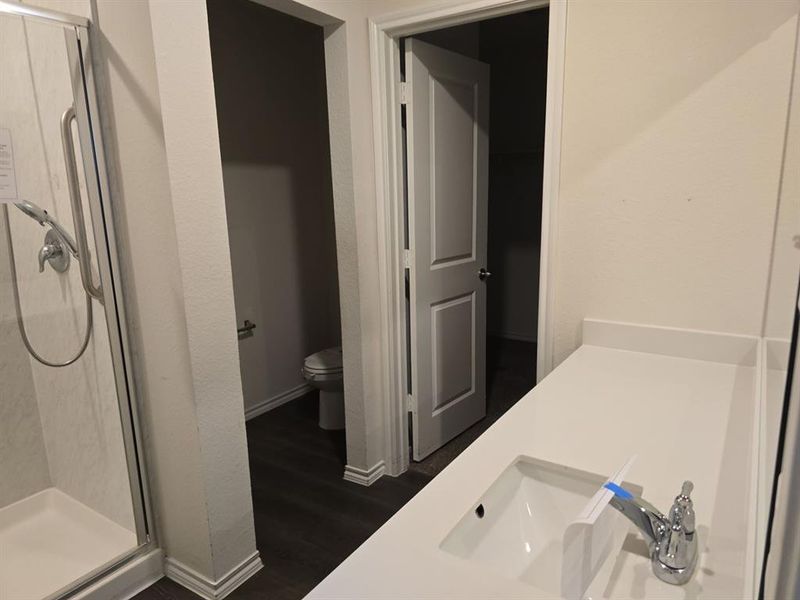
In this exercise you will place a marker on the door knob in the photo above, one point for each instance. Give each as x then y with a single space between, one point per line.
483 274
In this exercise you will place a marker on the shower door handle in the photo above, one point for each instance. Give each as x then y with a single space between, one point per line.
84 259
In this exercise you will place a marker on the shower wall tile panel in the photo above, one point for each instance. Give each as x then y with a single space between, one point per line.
23 461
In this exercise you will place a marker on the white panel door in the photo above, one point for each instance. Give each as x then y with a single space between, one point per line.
447 99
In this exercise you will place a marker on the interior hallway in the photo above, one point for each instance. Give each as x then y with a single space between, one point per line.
308 519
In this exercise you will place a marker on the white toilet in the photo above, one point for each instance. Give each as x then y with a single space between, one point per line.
323 370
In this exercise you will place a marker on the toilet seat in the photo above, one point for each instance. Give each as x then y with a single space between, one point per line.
326 362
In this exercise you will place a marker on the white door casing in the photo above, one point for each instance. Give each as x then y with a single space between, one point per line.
448 162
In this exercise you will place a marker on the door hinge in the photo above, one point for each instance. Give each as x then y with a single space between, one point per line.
411 403
407 259
403 92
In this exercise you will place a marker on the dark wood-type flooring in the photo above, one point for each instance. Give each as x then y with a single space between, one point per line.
307 518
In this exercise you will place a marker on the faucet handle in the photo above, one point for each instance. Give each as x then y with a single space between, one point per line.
682 512
46 253
674 550
678 549
686 488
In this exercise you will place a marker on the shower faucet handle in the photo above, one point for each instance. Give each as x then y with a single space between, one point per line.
47 252
54 252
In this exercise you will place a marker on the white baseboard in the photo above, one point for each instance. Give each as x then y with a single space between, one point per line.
275 401
696 344
362 477
206 587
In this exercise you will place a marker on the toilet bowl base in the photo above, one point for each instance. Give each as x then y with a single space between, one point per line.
331 410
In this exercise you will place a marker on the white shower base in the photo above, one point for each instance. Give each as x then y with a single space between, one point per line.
49 540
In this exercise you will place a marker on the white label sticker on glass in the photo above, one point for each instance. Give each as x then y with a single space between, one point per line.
8 180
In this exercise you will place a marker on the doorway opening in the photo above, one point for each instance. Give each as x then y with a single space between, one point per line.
269 80
473 214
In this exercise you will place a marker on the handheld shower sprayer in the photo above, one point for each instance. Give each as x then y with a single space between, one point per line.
41 216
34 211
57 248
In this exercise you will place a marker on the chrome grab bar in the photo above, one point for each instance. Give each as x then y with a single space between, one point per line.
84 259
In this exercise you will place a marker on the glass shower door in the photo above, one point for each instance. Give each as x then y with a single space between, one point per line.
71 499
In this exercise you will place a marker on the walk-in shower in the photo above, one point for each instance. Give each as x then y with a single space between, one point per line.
72 500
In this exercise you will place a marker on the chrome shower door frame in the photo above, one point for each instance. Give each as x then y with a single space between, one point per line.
101 213
87 118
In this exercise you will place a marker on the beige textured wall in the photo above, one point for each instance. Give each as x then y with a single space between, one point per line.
133 132
783 282
672 140
191 141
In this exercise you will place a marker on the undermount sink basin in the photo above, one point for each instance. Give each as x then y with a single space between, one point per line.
517 525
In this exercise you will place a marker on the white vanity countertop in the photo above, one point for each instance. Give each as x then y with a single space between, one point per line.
684 418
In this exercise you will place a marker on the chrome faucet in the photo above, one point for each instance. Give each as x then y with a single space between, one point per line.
671 538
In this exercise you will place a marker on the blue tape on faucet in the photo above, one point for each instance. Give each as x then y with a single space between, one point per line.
619 491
